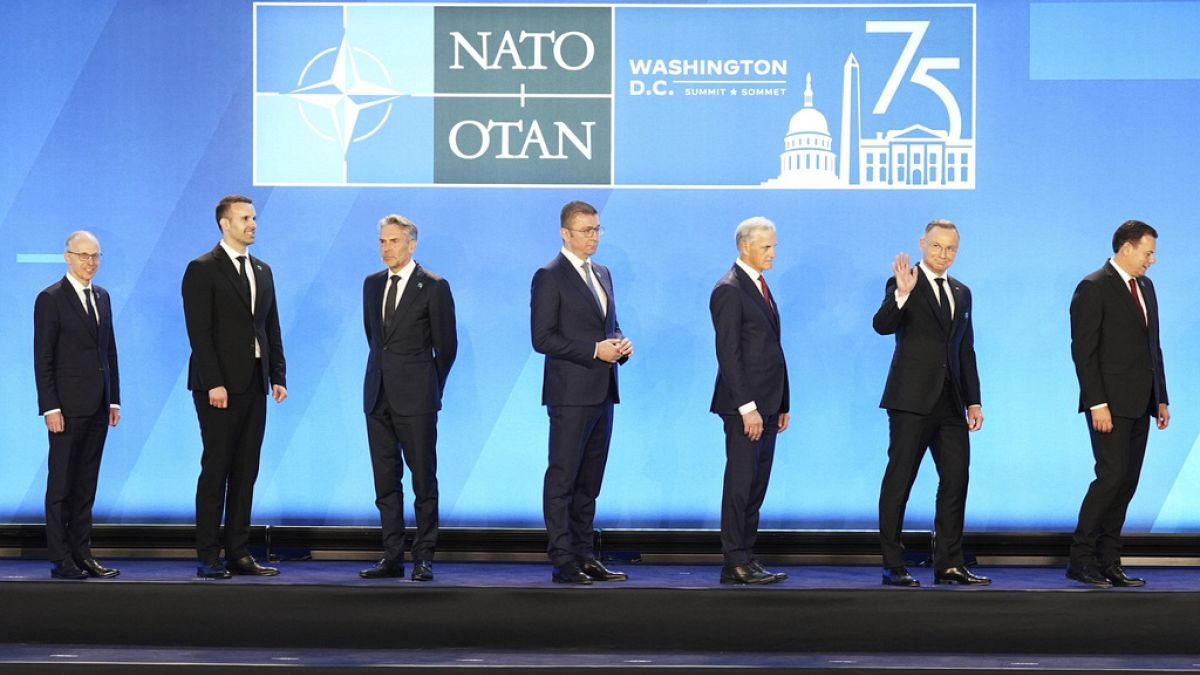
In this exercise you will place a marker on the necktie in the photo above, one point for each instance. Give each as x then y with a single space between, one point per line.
944 302
1136 300
389 304
591 284
245 280
87 298
762 283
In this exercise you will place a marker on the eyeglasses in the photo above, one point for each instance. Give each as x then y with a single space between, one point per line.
87 257
590 231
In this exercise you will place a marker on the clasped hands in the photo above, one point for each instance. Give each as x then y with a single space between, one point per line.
614 349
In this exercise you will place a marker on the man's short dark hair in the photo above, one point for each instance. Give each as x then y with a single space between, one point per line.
573 209
1131 231
228 201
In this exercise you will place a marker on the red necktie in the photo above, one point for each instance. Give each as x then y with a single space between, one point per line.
1136 300
762 282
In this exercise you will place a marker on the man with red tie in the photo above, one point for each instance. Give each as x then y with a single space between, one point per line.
1119 363
751 395
79 395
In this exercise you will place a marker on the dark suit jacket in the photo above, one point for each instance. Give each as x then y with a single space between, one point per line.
1117 356
75 361
566 324
222 329
750 363
927 351
415 353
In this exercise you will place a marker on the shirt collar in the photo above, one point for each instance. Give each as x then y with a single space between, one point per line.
754 274
405 272
576 261
1125 276
930 276
79 285
233 254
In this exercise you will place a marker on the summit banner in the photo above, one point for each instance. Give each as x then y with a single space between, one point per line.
871 96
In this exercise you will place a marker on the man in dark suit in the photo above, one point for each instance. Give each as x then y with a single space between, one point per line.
237 353
408 314
751 395
1119 363
79 395
933 379
573 321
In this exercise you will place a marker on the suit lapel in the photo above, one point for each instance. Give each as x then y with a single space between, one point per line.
959 307
227 268
263 287
414 287
931 297
748 286
574 280
1119 286
75 307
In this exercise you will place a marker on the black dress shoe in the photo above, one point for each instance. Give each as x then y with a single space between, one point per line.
248 566
212 570
1088 575
383 569
66 569
422 571
569 573
959 575
93 568
758 567
1116 574
899 576
746 574
598 572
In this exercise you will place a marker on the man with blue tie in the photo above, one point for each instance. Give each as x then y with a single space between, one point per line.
408 314
932 400
573 322
79 395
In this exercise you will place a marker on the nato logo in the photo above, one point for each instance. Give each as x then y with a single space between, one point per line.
352 94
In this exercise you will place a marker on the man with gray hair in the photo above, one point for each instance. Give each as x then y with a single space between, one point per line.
751 395
79 396
408 314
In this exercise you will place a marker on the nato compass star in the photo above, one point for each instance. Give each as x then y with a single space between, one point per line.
345 94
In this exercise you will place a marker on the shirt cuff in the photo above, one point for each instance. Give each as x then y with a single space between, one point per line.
900 299
747 408
114 406
1098 406
51 412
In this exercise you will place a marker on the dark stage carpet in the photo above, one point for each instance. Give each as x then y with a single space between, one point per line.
510 616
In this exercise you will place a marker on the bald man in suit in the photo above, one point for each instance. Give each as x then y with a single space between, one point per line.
79 395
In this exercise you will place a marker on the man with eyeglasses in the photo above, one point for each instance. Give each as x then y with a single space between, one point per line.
237 360
932 401
79 394
573 322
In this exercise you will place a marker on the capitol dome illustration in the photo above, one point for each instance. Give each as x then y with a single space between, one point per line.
807 159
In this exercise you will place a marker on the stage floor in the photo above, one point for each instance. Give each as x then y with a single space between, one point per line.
642 576
511 617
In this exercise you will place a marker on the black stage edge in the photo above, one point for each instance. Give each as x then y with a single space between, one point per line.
663 608
292 542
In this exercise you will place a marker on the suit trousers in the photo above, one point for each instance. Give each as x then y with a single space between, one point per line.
1119 455
747 472
579 439
944 433
232 439
72 472
396 440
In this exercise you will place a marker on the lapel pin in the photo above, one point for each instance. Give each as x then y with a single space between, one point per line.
420 285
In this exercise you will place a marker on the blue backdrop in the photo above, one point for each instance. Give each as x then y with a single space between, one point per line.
131 118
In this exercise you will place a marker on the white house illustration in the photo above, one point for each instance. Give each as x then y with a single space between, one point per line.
913 157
